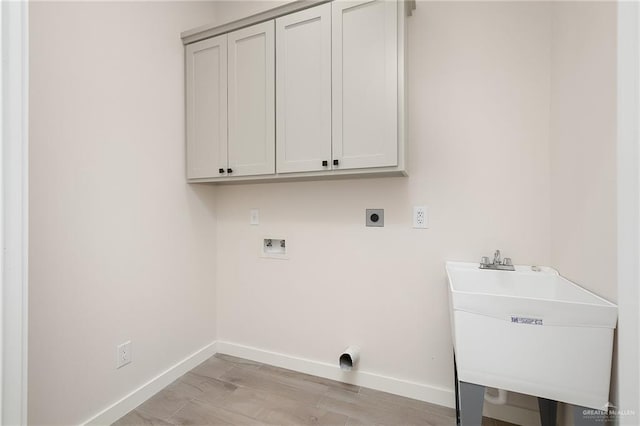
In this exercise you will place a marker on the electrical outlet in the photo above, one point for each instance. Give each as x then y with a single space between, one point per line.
374 217
124 354
254 217
420 219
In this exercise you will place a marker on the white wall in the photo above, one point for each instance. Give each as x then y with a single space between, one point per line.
583 147
583 144
586 213
231 10
120 246
478 102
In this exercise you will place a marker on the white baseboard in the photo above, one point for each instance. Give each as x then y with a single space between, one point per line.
420 391
153 386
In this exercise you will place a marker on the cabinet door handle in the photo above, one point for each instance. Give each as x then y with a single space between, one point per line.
229 170
335 162
325 163
220 171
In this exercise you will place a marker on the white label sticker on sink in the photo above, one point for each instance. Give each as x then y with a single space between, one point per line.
526 320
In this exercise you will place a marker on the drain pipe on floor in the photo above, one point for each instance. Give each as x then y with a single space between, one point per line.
349 358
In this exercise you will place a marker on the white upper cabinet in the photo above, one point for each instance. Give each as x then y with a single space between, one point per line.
298 92
251 99
303 90
206 86
365 83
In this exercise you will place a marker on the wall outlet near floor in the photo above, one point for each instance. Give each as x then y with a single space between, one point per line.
124 354
420 218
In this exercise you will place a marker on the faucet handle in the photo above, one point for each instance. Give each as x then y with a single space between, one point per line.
484 260
507 261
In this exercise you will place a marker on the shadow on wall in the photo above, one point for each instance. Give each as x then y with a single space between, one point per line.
205 194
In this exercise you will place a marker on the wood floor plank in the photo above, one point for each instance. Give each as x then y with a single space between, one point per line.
374 410
238 362
308 377
207 389
355 422
166 402
406 402
359 409
296 380
175 396
226 390
376 395
276 409
262 381
502 423
487 421
213 367
200 413
137 418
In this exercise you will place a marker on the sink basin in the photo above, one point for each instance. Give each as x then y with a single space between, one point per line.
532 332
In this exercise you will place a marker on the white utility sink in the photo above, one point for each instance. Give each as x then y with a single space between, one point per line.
532 332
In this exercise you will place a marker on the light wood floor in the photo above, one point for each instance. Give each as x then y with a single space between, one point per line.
231 391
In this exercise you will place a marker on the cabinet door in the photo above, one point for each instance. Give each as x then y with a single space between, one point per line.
206 86
303 90
252 100
365 83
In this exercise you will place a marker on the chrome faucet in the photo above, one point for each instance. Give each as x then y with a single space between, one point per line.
497 264
496 258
